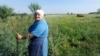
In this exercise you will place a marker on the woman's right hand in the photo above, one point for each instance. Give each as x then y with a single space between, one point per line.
19 36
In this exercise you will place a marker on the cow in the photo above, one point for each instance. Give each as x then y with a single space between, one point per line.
80 15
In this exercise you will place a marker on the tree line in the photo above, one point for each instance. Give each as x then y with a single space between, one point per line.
6 11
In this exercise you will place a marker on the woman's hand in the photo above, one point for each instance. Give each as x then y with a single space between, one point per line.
19 36
30 35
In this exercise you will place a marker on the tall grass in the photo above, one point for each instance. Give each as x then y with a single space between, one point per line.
68 35
74 36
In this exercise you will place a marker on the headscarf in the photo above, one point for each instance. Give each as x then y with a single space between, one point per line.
41 12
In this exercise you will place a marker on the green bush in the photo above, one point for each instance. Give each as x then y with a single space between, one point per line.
5 11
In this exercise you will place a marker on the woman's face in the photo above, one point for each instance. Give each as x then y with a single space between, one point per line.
37 16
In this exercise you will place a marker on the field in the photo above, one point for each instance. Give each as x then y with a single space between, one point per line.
68 35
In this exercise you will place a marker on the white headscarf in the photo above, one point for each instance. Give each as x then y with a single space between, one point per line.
41 12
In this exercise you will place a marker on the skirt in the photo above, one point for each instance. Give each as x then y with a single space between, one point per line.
36 46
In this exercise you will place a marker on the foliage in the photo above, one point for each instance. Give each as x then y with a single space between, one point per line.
68 35
5 11
34 6
98 11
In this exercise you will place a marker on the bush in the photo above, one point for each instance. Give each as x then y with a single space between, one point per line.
5 11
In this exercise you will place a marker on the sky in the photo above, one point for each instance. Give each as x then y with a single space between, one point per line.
54 6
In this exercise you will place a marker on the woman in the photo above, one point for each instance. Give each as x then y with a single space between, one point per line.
38 32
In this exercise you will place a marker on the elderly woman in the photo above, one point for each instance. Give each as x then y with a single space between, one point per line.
38 32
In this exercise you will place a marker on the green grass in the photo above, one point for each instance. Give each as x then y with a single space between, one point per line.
68 35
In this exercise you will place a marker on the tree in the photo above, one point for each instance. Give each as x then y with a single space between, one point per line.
5 11
98 11
34 6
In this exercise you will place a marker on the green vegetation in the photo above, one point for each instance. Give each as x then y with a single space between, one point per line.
5 11
68 35
98 11
34 6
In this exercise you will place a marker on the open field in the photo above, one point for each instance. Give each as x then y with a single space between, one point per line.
68 35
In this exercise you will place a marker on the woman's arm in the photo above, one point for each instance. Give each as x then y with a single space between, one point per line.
20 37
30 35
